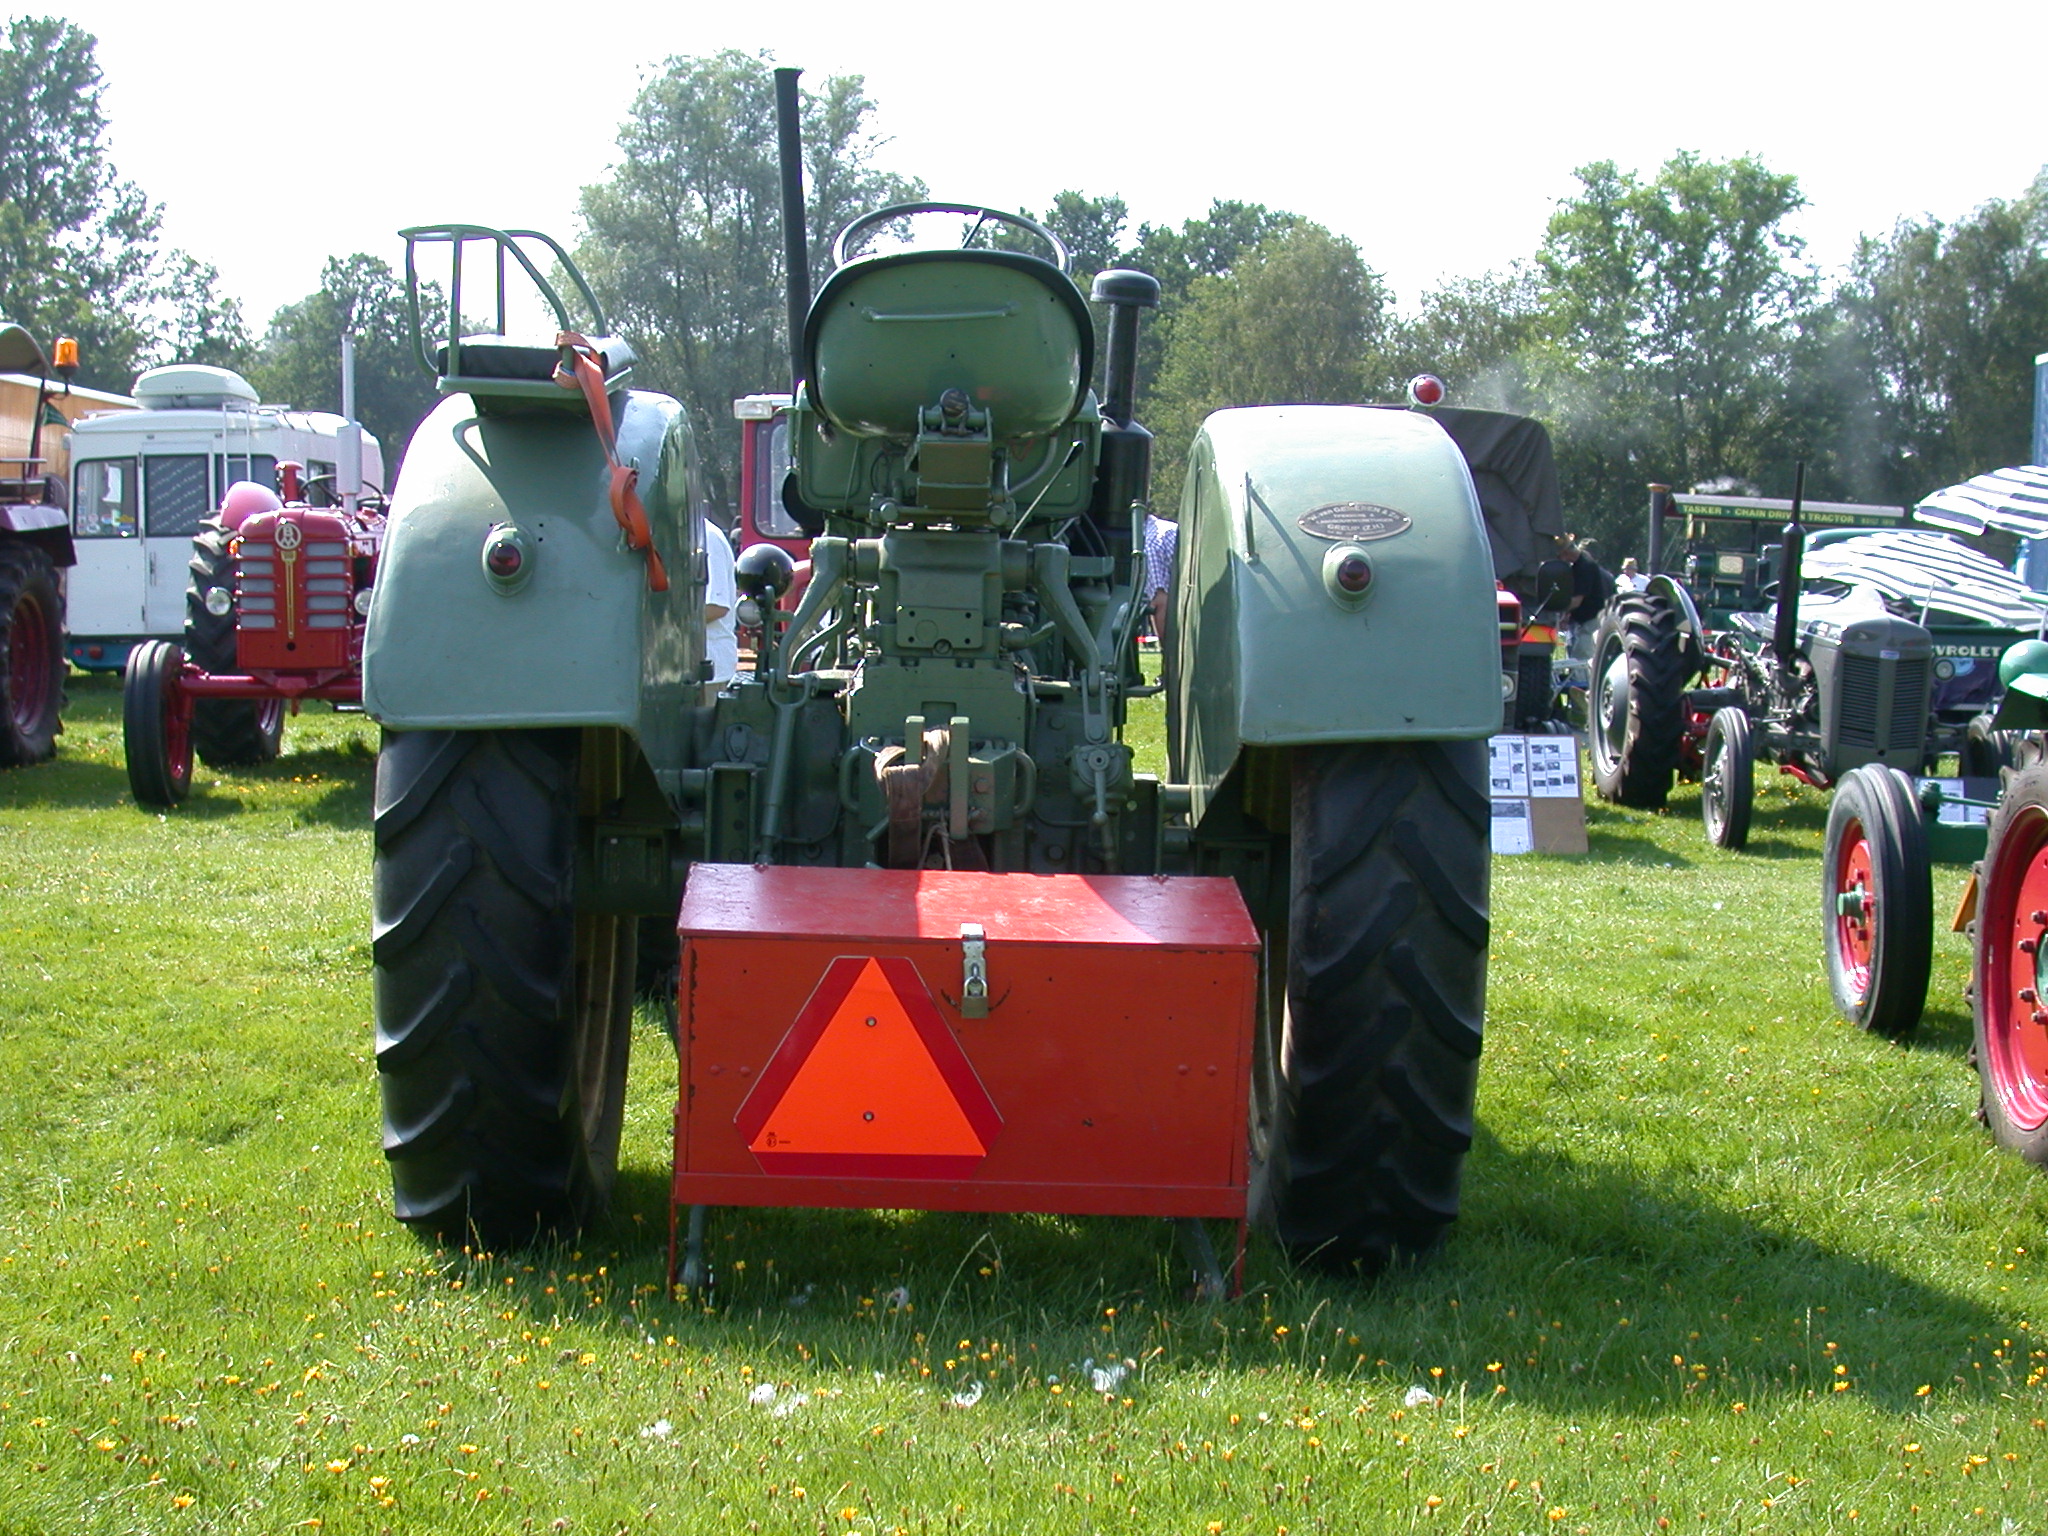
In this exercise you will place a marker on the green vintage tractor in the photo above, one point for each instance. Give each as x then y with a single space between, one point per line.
941 719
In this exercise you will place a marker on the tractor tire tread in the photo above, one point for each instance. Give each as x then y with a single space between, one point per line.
1379 1069
1639 775
475 983
27 572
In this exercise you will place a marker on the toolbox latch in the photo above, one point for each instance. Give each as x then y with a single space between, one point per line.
973 972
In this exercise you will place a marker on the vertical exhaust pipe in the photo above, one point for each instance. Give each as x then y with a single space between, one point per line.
796 245
1785 636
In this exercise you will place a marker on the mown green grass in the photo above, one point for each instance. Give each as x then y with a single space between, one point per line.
1725 1262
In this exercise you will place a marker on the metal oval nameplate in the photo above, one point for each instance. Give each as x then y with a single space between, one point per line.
1353 522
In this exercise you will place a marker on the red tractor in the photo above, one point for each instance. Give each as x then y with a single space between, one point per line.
274 615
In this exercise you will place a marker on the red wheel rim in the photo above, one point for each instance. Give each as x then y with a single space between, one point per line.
1855 909
28 664
2015 1023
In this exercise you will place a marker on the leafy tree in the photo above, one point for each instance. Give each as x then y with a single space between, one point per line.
1670 309
683 244
1093 229
300 359
79 250
1208 246
1940 325
1471 332
1293 320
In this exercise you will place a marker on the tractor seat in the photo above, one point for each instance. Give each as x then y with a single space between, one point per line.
890 334
525 360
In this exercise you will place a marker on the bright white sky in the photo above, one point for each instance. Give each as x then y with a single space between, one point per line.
1437 138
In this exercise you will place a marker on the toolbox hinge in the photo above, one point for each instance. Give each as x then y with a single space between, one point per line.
973 972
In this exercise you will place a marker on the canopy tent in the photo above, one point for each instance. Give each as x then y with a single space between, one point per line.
2011 500
1931 572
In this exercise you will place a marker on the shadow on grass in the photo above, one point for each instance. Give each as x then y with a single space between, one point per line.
65 784
1572 1283
1945 1031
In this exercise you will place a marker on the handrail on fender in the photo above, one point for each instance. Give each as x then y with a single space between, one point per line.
458 237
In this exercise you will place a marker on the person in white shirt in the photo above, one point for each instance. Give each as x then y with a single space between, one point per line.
721 635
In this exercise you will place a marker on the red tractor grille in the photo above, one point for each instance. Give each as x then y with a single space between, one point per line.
294 592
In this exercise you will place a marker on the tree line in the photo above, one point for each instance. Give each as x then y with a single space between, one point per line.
1668 327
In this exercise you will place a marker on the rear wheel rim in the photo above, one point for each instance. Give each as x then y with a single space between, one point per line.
2015 1046
1855 914
28 665
1714 787
1610 705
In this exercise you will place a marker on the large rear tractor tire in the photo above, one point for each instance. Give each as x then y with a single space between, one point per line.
1636 714
31 656
226 733
156 733
1877 902
2010 971
1728 779
503 1015
1365 1075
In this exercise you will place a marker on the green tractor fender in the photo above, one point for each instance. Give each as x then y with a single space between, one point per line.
1334 584
2023 672
1692 634
570 633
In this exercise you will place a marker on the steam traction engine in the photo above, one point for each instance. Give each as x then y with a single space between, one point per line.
275 615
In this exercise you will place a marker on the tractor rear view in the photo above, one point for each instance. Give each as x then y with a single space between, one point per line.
945 946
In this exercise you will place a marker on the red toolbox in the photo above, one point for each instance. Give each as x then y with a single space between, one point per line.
939 1040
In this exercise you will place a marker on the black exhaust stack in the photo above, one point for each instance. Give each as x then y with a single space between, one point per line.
1123 474
1660 508
796 245
1785 636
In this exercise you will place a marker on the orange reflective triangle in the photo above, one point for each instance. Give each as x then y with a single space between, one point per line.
869 1080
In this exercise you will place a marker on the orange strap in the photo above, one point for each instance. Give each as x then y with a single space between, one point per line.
580 369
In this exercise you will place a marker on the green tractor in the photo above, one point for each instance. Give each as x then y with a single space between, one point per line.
943 712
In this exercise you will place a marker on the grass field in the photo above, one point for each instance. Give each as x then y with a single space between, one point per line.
1726 1264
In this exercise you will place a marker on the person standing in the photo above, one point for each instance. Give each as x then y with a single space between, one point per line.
1162 544
721 595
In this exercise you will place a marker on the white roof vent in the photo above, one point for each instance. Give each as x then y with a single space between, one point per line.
194 387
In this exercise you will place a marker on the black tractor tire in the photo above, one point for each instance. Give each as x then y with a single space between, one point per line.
1986 752
504 1016
155 735
1635 710
1877 901
31 656
1728 778
1365 1074
226 733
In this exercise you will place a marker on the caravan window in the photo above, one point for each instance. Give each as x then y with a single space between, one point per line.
260 467
103 499
174 494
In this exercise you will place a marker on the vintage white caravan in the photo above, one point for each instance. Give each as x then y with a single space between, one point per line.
142 481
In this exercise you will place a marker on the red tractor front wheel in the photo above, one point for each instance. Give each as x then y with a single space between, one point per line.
156 725
2012 920
1877 903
